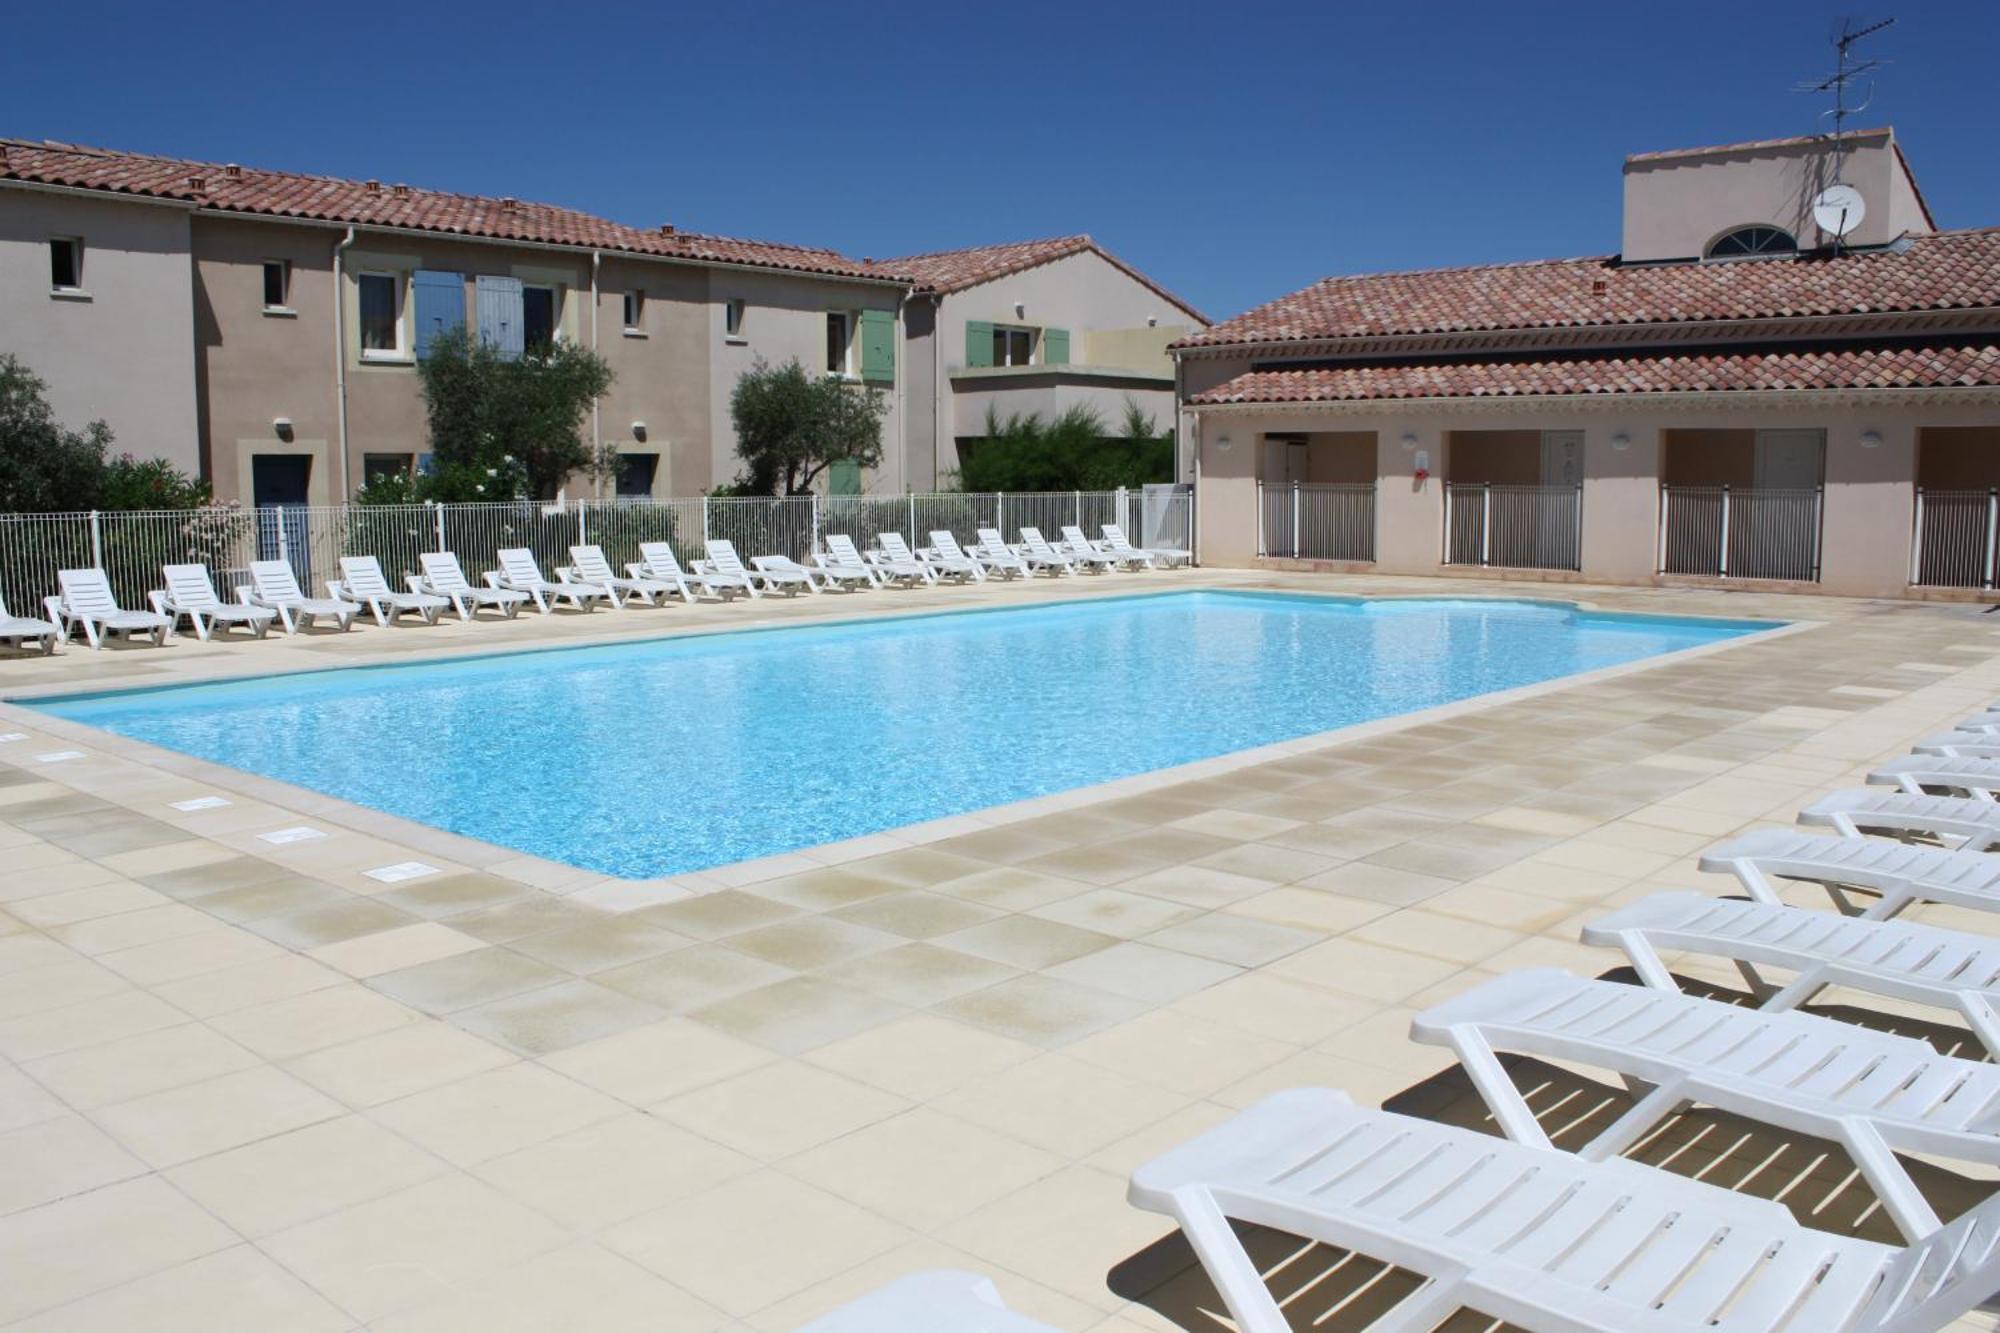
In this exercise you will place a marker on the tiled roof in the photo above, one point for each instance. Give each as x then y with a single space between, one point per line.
946 271
1945 271
1758 145
1954 365
371 203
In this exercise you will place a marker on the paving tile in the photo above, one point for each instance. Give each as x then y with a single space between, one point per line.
196 1119
692 978
923 1167
921 1057
555 1289
53 1159
592 946
145 1062
405 1059
776 1110
796 1015
399 947
1040 1008
614 1169
1026 941
495 1112
71 1248
1143 972
646 1064
1058 1228
918 974
1066 1106
553 1018
234 1288
290 1027
810 942
918 915
294 1177
478 976
54 1031
1237 940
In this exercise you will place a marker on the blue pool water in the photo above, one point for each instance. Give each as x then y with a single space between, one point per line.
663 756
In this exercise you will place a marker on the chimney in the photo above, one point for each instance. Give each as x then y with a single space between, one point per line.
373 187
509 203
1599 286
666 229
400 191
233 172
198 184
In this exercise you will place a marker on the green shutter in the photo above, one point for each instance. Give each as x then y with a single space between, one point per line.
978 342
1055 347
843 477
878 346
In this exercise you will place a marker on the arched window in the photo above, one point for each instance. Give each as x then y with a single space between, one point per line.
1749 242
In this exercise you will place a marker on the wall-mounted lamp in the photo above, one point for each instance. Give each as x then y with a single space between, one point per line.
1222 444
1621 441
1020 310
638 430
1152 321
1409 440
1871 439
282 428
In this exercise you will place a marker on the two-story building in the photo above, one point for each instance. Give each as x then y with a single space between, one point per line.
1753 388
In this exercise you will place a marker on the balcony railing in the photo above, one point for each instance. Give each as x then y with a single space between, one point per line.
1513 527
1316 522
1740 532
1955 539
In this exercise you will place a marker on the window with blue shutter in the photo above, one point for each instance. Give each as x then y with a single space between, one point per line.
878 346
1055 347
440 299
500 322
978 342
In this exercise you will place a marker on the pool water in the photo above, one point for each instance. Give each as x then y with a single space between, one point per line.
670 755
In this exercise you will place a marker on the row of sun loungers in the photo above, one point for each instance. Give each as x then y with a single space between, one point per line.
86 602
1547 1239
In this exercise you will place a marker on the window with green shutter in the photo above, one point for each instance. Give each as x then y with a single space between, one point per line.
978 342
878 346
1055 347
843 477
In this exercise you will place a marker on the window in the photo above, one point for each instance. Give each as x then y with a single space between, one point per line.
635 311
1748 242
381 315
538 318
839 335
380 467
636 473
1013 347
66 264
732 318
277 284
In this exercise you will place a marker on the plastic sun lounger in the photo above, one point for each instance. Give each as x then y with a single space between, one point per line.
274 585
1949 969
1875 1093
658 561
1131 556
1899 873
1087 552
945 547
592 567
519 572
1978 778
893 559
723 560
17 630
1962 823
940 565
998 556
1114 540
940 1301
86 600
837 568
189 593
1035 549
784 570
1543 1240
361 579
1960 745
842 551
443 577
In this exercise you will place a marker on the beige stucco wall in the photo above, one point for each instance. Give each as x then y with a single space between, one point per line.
1050 396
1869 500
122 353
661 371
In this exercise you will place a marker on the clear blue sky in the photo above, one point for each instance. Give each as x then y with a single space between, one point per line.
1233 150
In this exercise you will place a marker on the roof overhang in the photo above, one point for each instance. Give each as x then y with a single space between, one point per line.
1525 404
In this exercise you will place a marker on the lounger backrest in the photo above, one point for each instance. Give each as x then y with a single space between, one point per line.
894 546
946 544
1032 539
660 558
188 587
1074 536
991 539
723 554
842 548
590 563
86 591
518 564
275 581
1114 537
363 576
442 571
1933 1281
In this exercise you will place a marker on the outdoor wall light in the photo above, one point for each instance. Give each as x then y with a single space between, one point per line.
1621 442
1870 438
638 430
1222 444
1020 310
1409 439
282 428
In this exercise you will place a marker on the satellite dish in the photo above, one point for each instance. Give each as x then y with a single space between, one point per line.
1838 210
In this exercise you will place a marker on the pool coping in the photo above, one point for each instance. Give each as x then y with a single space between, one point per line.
616 894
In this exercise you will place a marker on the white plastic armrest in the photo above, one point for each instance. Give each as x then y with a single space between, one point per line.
53 604
336 589
415 583
636 569
158 597
563 573
246 594
491 578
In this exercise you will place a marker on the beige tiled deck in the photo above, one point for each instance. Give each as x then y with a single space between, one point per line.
243 1084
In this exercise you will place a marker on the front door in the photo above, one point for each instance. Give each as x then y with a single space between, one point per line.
279 486
1788 460
1562 458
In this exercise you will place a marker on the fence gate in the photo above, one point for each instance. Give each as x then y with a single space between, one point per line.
1513 527
1740 533
1955 539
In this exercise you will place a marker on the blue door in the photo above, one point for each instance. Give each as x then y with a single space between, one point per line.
279 486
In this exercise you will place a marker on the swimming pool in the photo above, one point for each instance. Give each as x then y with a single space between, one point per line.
668 755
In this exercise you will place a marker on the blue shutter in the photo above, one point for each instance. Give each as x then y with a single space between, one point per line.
440 301
500 315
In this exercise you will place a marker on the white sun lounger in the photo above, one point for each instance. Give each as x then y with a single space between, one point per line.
1114 541
946 551
1544 1240
1087 552
17 630
1963 823
442 576
993 551
784 570
840 563
189 593
519 571
841 550
591 567
1900 873
273 584
940 1301
724 561
1035 549
893 559
658 561
86 600
361 579
1949 969
1979 778
1875 1093
940 565
1960 745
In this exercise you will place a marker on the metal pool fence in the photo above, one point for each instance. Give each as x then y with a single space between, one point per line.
132 545
1740 532
1513 527
1317 522
1956 539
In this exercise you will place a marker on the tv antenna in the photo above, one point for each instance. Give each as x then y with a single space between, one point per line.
1838 209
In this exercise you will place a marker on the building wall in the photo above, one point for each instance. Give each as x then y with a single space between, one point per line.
124 351
661 368
1494 457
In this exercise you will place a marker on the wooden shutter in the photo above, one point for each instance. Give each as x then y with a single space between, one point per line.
500 314
440 299
1055 347
878 346
978 342
843 477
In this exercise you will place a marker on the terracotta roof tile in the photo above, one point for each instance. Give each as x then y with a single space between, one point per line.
373 203
946 271
1945 271
1953 365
